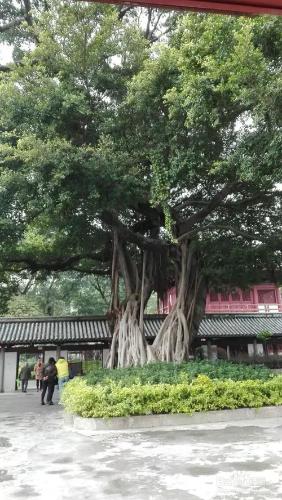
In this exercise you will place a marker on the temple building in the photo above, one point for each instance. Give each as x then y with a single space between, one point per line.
263 298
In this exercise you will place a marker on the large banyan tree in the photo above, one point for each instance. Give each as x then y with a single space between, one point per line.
155 165
203 119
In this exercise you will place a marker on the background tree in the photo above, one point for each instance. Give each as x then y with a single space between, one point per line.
61 294
22 306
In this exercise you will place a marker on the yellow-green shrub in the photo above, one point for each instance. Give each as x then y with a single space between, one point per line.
202 394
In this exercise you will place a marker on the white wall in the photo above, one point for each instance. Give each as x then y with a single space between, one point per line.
53 354
105 357
49 354
10 371
2 361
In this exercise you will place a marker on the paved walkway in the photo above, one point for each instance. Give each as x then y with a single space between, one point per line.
39 458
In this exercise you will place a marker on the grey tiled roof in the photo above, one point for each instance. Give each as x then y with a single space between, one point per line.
24 331
152 325
53 330
240 325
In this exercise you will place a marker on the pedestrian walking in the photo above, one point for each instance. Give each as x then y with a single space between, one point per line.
63 372
39 370
49 381
24 376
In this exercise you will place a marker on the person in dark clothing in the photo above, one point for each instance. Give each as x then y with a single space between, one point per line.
24 376
49 381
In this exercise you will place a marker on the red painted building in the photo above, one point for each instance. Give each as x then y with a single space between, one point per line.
263 298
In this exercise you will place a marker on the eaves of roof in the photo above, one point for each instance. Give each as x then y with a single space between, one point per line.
67 330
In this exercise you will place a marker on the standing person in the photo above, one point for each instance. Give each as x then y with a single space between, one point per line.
63 372
38 370
24 376
49 381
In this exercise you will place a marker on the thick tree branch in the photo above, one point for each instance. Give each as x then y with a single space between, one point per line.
215 226
187 226
239 232
252 200
27 9
5 69
128 235
59 264
151 34
12 24
123 11
97 272
26 17
147 30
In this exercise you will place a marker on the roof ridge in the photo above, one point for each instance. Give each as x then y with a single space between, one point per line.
47 319
242 315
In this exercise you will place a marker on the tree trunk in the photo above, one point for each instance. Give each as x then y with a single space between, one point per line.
129 346
181 324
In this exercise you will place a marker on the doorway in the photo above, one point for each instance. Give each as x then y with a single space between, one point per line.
31 359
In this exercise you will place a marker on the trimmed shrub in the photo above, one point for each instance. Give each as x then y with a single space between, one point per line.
170 373
203 394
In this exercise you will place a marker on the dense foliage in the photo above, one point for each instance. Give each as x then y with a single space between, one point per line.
171 373
264 335
202 394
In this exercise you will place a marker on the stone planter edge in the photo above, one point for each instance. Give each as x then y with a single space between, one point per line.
150 422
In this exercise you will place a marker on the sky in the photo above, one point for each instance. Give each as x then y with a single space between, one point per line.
5 53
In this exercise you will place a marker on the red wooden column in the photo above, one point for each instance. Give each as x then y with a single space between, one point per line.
273 7
279 298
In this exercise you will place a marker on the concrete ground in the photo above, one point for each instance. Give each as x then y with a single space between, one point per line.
39 458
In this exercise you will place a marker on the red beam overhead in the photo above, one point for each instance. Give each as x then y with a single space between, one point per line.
228 7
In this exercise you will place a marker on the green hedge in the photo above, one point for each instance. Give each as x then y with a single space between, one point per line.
202 394
170 373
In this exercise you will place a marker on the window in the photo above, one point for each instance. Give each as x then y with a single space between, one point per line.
246 295
213 297
75 356
224 297
270 349
266 296
235 296
260 350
